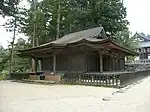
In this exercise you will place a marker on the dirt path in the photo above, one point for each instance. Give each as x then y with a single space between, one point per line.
19 97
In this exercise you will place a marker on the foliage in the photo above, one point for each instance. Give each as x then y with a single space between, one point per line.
28 26
109 13
74 15
125 39
4 75
19 64
4 58
7 6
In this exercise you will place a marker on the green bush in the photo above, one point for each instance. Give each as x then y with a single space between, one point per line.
19 76
4 75
0 78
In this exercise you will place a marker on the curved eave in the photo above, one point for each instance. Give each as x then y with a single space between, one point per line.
128 51
101 41
98 41
93 42
50 46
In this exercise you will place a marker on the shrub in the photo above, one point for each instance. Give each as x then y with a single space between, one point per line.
19 76
4 75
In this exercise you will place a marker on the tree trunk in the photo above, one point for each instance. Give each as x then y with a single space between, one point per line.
70 28
33 38
37 41
34 27
58 21
13 41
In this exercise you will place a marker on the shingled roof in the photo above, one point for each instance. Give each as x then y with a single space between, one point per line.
140 35
88 34
85 34
95 36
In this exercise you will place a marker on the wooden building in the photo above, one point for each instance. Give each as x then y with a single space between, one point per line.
84 51
144 47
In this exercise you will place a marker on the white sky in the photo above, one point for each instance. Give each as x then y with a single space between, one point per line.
138 14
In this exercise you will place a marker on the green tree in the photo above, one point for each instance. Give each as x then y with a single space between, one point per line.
48 23
110 14
20 64
126 39
40 27
55 18
6 7
4 58
13 25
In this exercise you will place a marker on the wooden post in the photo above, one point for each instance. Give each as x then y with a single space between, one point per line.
110 63
54 63
86 60
39 65
101 61
113 61
33 65
115 64
119 63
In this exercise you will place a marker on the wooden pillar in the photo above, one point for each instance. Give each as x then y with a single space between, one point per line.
109 60
70 62
54 63
86 61
124 63
119 63
34 65
101 61
113 64
39 65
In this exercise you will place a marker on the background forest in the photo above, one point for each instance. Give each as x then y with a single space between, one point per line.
46 20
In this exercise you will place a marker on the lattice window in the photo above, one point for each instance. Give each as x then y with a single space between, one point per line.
148 49
143 50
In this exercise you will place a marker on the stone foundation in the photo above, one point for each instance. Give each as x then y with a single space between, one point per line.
52 78
34 77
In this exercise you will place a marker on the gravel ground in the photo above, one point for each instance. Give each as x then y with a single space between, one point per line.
21 97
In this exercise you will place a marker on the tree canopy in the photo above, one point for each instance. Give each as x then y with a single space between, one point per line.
7 6
125 39
19 64
74 15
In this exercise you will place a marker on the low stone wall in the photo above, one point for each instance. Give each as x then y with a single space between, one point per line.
52 78
34 77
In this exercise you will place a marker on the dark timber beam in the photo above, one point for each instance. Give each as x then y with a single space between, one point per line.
54 63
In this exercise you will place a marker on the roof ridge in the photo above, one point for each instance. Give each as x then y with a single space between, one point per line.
144 37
